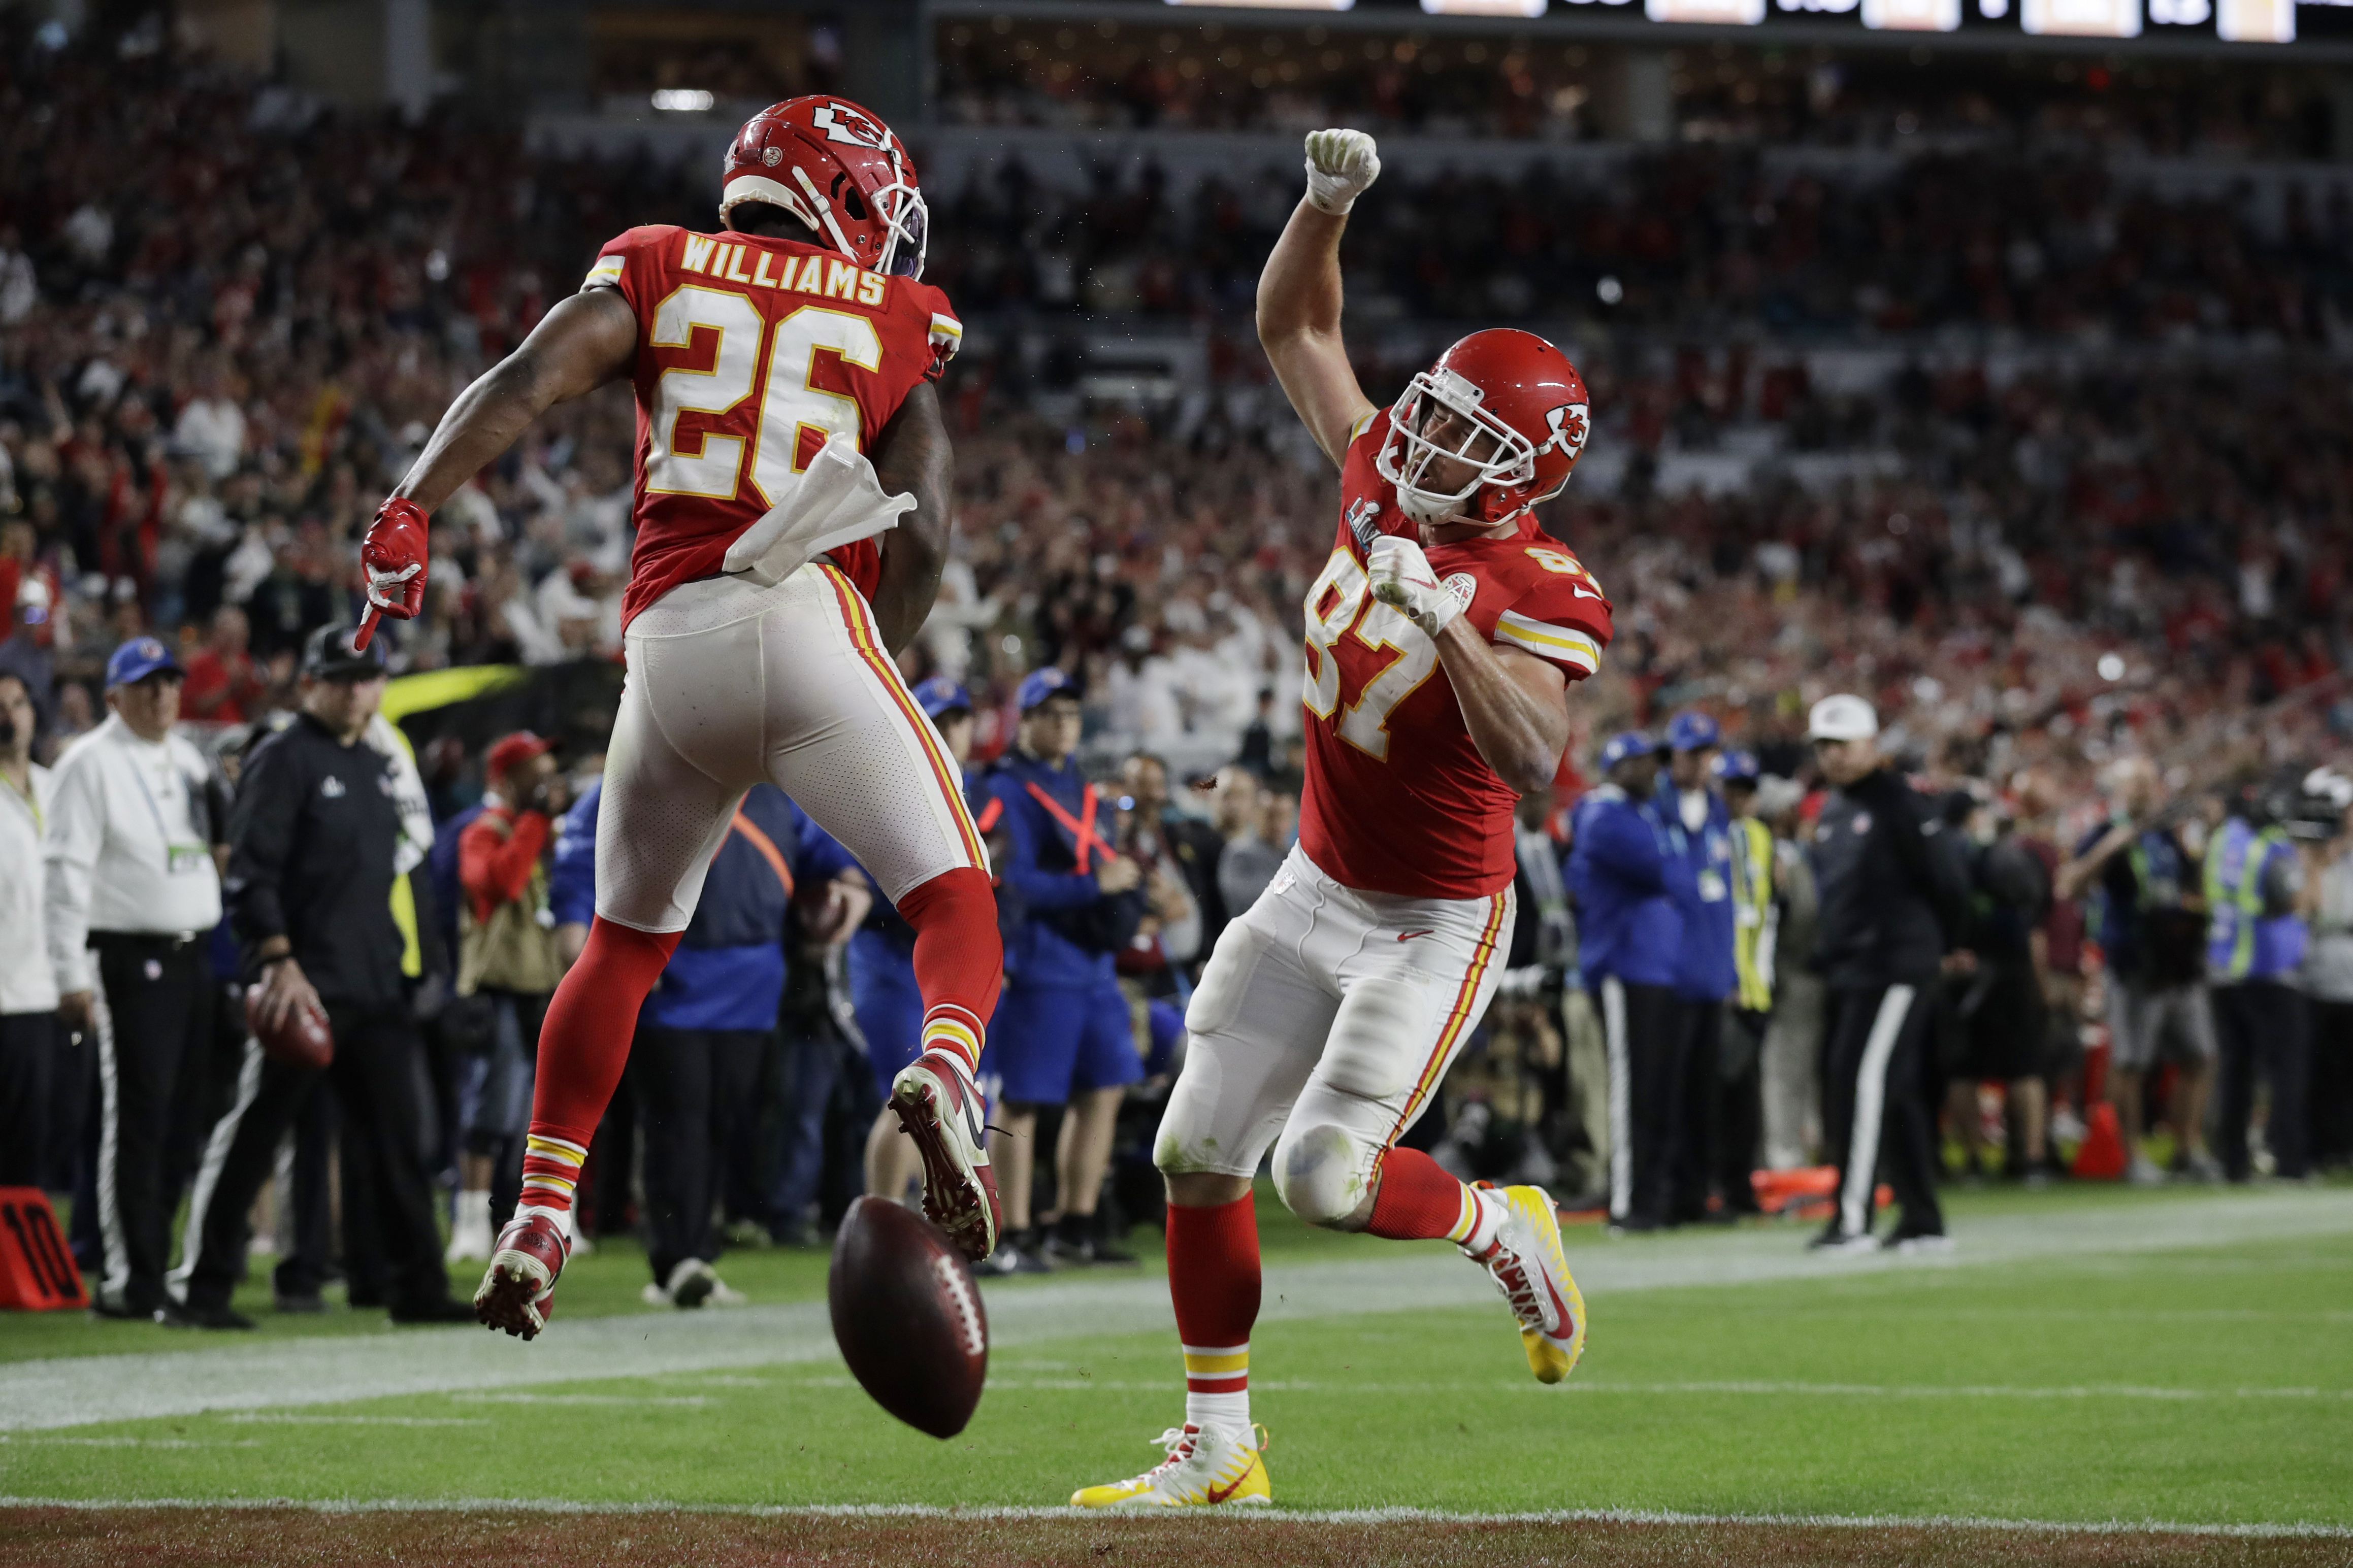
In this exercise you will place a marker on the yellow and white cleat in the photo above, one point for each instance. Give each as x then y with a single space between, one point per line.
1206 1465
1527 1265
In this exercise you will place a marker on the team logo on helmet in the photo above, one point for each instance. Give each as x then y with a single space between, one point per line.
772 156
1568 430
842 123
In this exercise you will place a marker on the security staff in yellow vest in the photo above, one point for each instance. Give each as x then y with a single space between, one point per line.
1741 1114
2256 938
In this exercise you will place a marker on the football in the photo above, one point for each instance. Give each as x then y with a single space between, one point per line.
908 1316
302 1039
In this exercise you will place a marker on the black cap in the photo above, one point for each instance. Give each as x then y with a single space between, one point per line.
328 655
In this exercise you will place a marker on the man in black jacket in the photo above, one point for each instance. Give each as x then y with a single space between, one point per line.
312 838
1890 893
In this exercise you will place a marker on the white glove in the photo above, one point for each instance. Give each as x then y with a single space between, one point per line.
1340 166
1401 575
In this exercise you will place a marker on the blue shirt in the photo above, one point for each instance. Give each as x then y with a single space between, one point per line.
729 970
1705 970
2243 942
1040 869
1630 871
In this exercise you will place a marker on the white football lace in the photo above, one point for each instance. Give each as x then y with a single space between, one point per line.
1510 1277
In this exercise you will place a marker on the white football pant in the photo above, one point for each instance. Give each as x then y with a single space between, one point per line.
1329 1016
731 684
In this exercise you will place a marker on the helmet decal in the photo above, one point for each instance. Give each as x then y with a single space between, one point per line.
842 123
1568 427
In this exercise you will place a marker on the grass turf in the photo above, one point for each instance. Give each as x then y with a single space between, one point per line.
2208 1386
252 1538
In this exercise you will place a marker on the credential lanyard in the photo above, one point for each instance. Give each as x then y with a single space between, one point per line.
171 852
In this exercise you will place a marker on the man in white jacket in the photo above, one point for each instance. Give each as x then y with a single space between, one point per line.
28 991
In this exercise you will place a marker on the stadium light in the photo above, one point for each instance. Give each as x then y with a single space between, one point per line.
1275 4
1722 12
1913 15
683 99
2082 18
1483 8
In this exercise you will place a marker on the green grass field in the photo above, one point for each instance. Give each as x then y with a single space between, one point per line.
2089 1356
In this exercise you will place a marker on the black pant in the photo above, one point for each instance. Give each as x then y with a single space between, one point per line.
1740 1108
1876 1107
307 1261
377 1082
1642 1027
154 1045
2332 1083
28 1069
1692 1132
695 1092
2261 1024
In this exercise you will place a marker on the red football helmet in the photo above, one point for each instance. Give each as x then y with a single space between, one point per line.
838 169
1522 421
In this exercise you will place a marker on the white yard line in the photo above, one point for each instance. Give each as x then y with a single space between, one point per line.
1011 1381
76 1390
1240 1518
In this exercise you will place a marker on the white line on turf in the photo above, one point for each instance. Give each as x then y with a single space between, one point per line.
1592 1385
76 1390
290 1418
1242 1518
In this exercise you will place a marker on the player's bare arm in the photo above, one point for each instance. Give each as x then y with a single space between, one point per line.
1514 704
586 341
1298 293
913 455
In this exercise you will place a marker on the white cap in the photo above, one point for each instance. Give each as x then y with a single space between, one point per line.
1842 718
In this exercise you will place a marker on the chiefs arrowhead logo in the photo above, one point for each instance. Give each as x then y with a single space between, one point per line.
1568 430
842 123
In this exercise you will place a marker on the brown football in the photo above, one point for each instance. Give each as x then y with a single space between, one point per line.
303 1039
908 1316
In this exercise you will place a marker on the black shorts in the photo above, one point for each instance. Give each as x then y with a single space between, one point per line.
2004 1025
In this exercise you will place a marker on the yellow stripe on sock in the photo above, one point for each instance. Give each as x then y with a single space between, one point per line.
554 1149
1466 1222
1222 1364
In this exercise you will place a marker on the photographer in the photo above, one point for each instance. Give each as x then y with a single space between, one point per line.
2256 938
2153 931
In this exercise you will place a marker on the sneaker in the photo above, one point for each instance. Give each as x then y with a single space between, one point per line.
174 1315
939 1108
2143 1171
1526 1262
691 1283
1017 1253
1078 1244
517 1290
469 1230
1206 1465
1836 1240
1926 1243
722 1294
2203 1167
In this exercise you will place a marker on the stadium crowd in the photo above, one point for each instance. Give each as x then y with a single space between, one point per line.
2041 573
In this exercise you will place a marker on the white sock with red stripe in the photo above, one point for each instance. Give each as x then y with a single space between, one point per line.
1217 1386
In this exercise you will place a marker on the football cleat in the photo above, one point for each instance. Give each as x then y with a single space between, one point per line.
939 1107
517 1290
1206 1465
1526 1262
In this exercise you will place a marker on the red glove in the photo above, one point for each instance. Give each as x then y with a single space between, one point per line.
392 556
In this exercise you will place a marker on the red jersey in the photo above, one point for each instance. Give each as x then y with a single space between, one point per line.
1398 799
751 351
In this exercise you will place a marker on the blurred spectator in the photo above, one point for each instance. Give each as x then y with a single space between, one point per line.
30 1057
1062 1036
508 956
133 893
1740 1135
223 686
2329 979
1706 973
2143 863
1999 999
1179 854
316 841
2256 942
1631 880
1793 1040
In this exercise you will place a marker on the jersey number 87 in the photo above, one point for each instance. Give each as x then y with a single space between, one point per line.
1339 606
794 417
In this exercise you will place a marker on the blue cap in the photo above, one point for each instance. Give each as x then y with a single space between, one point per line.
1626 743
139 659
940 695
1735 767
1691 730
1039 684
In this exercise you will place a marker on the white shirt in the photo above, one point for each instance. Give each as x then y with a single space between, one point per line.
25 984
123 850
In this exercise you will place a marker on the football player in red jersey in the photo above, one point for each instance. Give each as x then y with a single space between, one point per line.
775 569
1442 636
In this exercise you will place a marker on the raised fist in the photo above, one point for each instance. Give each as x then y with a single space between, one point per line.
392 556
1340 166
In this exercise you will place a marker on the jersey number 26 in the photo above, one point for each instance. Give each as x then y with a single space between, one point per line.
788 405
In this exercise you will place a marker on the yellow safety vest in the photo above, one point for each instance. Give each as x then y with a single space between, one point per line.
1752 911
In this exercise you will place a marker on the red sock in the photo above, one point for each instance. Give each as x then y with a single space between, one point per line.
582 1046
1418 1201
959 959
1213 1280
